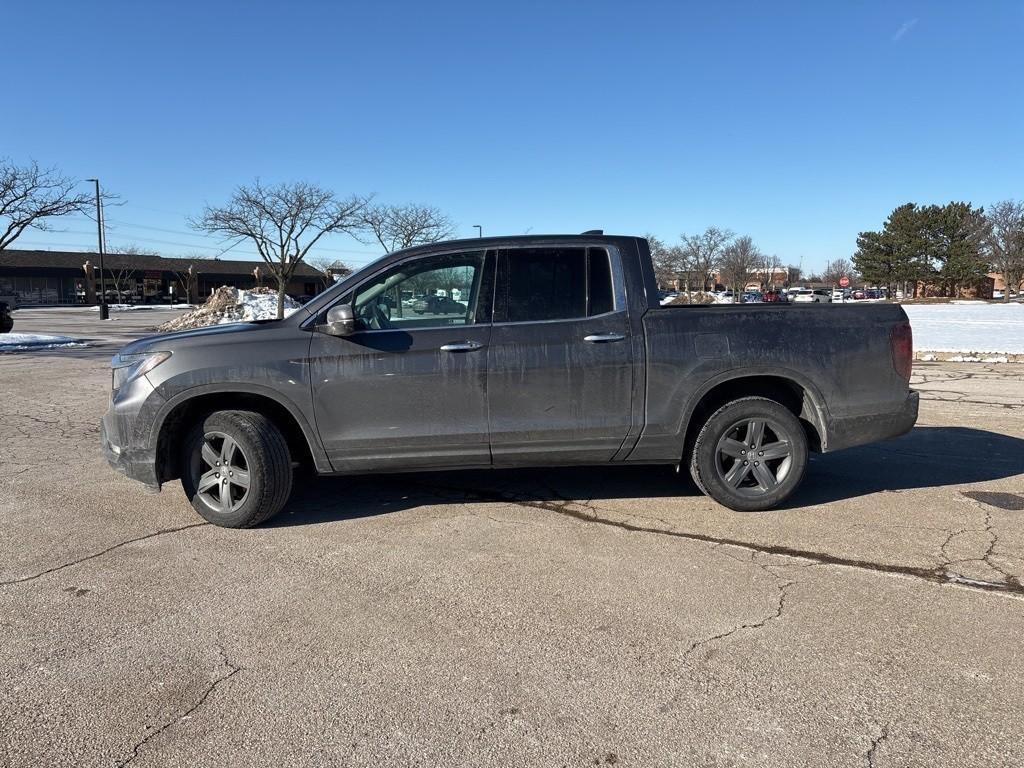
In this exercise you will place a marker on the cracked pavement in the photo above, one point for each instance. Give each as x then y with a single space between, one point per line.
543 617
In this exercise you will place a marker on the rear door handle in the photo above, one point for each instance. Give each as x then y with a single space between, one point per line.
604 338
461 346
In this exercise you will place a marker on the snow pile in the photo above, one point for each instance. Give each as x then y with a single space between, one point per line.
968 328
20 342
230 305
693 297
258 304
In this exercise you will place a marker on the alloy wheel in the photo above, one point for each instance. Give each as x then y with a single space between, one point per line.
754 456
224 473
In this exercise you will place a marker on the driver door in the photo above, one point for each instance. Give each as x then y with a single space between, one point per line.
407 390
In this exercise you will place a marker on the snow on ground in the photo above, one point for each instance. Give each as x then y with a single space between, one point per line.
142 307
20 342
968 327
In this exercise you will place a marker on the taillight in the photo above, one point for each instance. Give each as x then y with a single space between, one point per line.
901 343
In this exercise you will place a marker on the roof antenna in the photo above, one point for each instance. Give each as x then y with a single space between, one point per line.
594 232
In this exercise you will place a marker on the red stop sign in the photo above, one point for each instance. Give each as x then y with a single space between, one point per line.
844 282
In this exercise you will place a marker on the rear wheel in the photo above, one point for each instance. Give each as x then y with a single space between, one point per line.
750 455
236 469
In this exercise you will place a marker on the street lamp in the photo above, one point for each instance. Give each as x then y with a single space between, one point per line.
479 230
104 310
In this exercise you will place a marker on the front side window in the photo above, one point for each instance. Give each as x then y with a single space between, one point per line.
433 291
554 284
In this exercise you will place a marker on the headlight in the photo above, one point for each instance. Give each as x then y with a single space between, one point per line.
127 368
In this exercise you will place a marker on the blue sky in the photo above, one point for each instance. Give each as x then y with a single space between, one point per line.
797 123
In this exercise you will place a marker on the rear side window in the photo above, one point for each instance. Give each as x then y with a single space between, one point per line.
599 286
554 284
546 284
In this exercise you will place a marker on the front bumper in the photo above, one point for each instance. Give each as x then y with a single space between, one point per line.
124 433
861 430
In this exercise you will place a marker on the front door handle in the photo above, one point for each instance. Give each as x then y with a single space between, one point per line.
604 338
461 346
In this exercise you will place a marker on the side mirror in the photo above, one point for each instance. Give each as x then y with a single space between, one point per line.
341 321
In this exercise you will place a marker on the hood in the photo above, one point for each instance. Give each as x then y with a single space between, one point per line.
167 341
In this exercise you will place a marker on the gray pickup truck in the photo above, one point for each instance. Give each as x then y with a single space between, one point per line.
562 356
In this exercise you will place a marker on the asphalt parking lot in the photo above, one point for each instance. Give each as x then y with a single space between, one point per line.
546 617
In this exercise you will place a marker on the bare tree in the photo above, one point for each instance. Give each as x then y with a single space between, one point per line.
740 259
704 251
283 221
680 259
403 226
793 274
664 268
770 264
186 271
1004 243
330 268
836 269
30 195
124 265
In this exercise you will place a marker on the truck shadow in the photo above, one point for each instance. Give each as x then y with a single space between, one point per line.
926 457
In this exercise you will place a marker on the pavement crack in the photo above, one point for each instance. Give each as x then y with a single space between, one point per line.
232 671
102 552
772 615
590 514
876 742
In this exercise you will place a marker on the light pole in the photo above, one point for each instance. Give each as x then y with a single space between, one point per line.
104 310
479 230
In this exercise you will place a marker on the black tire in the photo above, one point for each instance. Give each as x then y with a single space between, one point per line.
258 451
734 481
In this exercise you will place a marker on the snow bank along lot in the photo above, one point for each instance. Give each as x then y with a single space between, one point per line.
20 342
144 307
989 329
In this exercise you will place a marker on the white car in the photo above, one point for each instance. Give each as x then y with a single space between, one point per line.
811 296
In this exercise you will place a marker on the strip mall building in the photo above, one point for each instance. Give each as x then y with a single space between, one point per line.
60 277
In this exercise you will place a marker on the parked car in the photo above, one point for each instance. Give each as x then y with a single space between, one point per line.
812 296
752 297
563 357
778 297
438 305
859 294
6 319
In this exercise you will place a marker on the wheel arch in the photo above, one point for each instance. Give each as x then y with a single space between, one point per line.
183 410
795 393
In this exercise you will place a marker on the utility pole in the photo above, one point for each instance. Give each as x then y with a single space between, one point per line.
104 310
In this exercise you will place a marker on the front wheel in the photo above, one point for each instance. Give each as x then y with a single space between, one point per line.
236 469
750 455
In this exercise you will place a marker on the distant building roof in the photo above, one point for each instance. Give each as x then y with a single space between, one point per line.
75 260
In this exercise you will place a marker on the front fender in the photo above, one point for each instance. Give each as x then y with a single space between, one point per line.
183 396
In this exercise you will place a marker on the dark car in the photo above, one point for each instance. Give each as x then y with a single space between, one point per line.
6 320
561 355
438 305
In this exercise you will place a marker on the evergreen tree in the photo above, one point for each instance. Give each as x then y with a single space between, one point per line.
955 235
